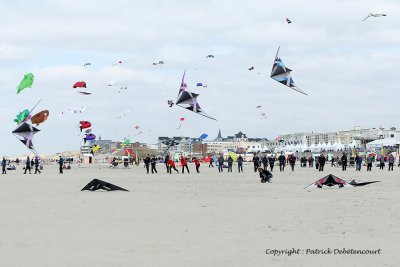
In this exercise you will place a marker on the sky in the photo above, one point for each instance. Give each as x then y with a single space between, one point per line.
347 66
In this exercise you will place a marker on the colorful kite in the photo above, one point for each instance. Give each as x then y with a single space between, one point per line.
22 117
329 181
95 149
188 100
80 84
201 85
26 82
40 117
84 125
25 133
281 73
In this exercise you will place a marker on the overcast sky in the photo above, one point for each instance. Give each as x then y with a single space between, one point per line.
348 67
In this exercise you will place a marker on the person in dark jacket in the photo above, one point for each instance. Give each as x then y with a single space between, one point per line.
61 164
37 164
240 163
264 161
265 175
292 161
153 162
356 162
256 162
3 165
282 161
211 162
147 161
321 162
166 162
221 163
230 163
391 162
28 165
310 162
271 162
343 160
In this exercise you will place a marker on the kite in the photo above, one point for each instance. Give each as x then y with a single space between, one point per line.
119 62
169 143
210 56
170 103
127 141
188 100
95 149
137 128
281 73
203 136
159 63
22 117
26 82
25 133
329 181
374 15
288 21
122 88
180 125
263 116
354 183
251 68
97 184
80 84
259 106
201 85
84 93
72 111
89 137
40 117
84 125
86 64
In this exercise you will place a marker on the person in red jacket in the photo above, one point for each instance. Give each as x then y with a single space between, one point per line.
197 164
184 164
171 164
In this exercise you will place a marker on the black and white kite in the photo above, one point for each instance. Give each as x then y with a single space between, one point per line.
25 133
188 100
281 73
374 15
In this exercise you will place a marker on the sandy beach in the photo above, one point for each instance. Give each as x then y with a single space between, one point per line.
207 219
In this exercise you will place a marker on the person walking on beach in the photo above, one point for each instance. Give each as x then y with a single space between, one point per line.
359 163
282 161
184 164
230 163
240 163
27 165
391 162
147 161
221 163
3 165
310 162
197 164
271 162
256 162
292 161
332 161
369 163
61 164
166 161
265 175
321 162
37 164
264 161
153 162
172 166
211 162
343 159
382 162
356 161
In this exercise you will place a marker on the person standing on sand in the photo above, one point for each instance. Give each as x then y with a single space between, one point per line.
221 163
311 162
359 163
292 161
27 165
391 162
230 163
184 164
321 162
343 159
240 163
382 162
147 163
369 163
264 161
3 165
282 161
271 162
61 164
153 162
256 162
211 162
166 161
197 164
356 161
37 164
172 166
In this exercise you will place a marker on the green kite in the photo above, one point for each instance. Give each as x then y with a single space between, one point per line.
26 82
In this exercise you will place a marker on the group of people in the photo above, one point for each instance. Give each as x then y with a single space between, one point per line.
150 163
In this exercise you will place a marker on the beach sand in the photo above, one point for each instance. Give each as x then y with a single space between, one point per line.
206 219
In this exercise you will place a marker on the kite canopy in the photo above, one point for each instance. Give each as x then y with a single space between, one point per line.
188 100
26 82
97 184
84 125
203 136
22 117
90 137
80 84
40 117
25 133
95 148
329 181
281 73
